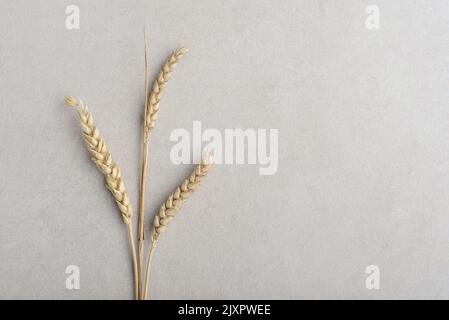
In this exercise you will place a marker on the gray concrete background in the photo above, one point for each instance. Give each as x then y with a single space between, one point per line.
363 125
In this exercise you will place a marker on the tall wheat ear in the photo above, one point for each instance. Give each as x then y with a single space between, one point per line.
111 171
152 102
171 207
158 88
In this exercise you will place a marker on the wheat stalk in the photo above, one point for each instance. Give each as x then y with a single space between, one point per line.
143 173
111 171
171 207
152 101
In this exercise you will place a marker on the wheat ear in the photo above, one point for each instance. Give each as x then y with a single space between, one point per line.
111 171
152 101
158 89
171 207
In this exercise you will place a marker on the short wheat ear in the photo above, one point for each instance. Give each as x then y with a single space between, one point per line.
171 207
111 171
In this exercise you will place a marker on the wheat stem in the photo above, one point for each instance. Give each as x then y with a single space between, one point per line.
134 257
148 269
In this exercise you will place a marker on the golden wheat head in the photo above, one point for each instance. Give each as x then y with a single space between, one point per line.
172 205
158 89
102 158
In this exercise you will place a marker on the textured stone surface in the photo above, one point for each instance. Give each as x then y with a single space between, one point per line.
363 123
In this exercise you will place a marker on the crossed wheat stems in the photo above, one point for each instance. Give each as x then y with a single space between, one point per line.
102 158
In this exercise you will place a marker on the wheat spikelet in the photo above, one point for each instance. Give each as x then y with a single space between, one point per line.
102 158
172 205
158 89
